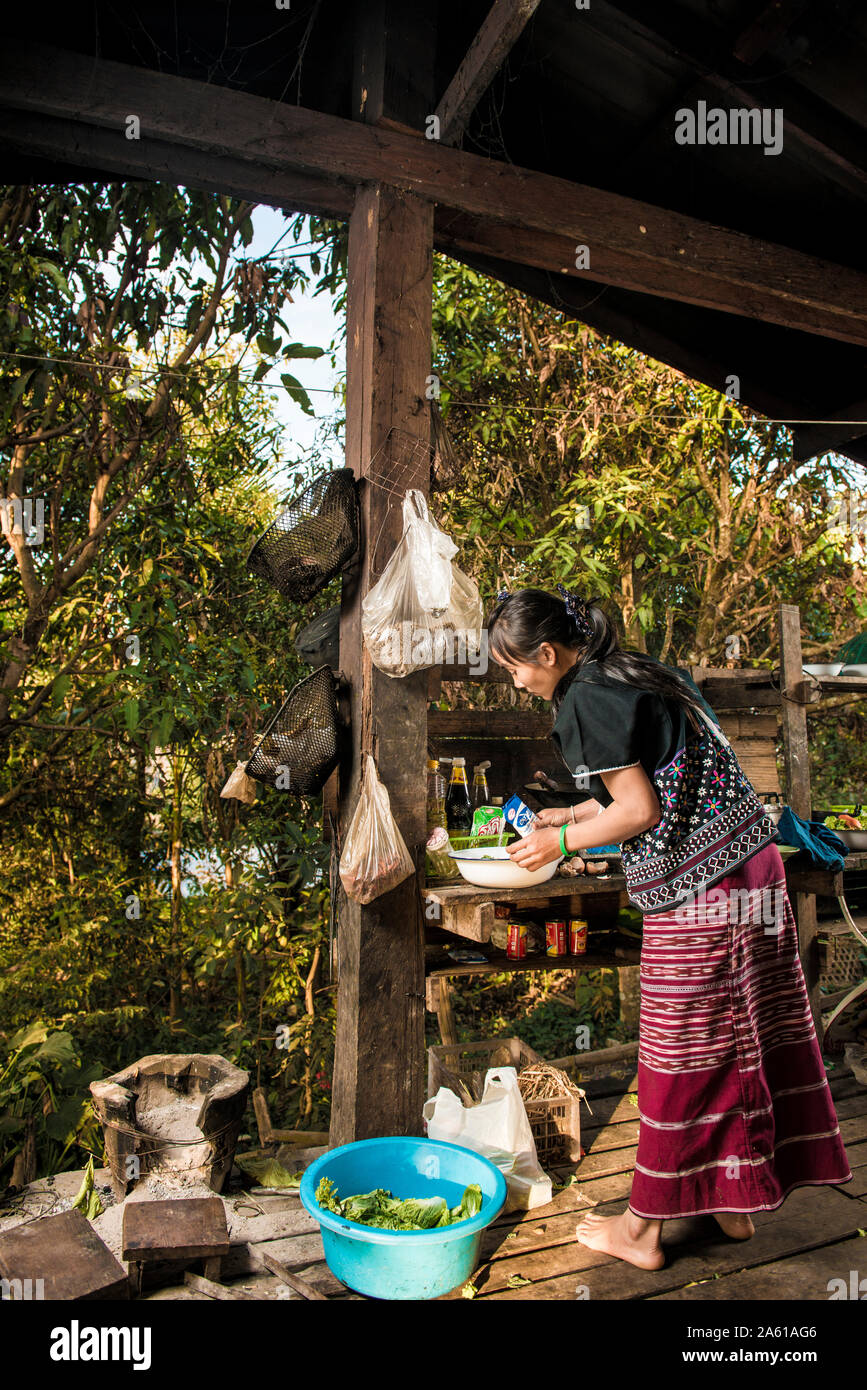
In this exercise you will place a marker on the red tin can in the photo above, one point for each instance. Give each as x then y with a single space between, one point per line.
516 942
555 938
577 936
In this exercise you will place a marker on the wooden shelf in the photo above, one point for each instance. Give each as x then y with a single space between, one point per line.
489 723
468 911
556 887
503 964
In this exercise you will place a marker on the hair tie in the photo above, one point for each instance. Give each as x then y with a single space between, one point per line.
503 594
579 611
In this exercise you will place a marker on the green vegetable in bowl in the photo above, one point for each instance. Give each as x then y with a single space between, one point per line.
379 1208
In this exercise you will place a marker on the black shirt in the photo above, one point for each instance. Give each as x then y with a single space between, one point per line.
711 817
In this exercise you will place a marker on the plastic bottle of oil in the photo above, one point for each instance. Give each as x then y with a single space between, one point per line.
481 794
436 796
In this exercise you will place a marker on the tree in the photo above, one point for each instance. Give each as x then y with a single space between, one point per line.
587 463
122 305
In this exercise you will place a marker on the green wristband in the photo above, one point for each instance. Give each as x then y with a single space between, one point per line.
563 850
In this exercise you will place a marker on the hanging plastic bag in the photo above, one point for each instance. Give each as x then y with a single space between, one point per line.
240 787
422 605
375 858
498 1129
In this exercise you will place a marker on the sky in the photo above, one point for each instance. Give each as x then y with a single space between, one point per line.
310 320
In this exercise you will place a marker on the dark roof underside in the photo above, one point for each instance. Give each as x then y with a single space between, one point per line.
591 95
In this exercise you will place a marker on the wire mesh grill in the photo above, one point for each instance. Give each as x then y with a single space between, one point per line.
300 748
404 461
313 540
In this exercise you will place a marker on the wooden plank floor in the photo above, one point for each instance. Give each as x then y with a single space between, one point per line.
797 1249
811 1239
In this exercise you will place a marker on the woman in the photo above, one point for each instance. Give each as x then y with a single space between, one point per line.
735 1109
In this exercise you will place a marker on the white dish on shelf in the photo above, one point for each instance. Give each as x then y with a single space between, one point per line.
833 669
859 669
495 868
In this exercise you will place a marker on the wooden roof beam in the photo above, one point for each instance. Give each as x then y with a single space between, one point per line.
826 130
839 429
773 21
252 133
502 27
456 233
94 148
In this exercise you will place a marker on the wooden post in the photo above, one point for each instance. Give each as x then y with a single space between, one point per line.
798 795
379 1085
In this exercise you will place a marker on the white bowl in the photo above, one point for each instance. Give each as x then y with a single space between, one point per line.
494 868
833 669
859 669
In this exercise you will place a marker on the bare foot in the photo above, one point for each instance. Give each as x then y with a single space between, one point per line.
736 1224
626 1236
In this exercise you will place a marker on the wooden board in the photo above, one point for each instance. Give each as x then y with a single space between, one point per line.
737 724
805 1277
695 1248
378 1081
179 1228
713 266
579 886
489 723
66 1253
498 965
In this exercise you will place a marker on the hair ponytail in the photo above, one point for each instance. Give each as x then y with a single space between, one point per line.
522 621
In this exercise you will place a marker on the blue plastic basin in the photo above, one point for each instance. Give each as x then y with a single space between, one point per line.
403 1264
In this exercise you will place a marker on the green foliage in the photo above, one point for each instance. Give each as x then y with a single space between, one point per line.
587 463
139 911
43 1089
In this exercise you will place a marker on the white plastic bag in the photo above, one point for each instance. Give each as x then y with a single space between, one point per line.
498 1129
238 786
422 605
375 858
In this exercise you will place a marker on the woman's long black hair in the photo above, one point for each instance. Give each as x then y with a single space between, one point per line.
522 621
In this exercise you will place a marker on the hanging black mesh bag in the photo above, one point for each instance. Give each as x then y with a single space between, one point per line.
313 540
300 748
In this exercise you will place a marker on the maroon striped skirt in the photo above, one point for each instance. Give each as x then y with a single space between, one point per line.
735 1106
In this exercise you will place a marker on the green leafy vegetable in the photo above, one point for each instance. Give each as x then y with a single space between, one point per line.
379 1208
517 1281
326 1194
267 1171
87 1199
469 1291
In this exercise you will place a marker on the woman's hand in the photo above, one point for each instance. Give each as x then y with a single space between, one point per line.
556 815
535 850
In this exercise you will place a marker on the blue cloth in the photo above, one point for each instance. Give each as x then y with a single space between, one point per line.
824 847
